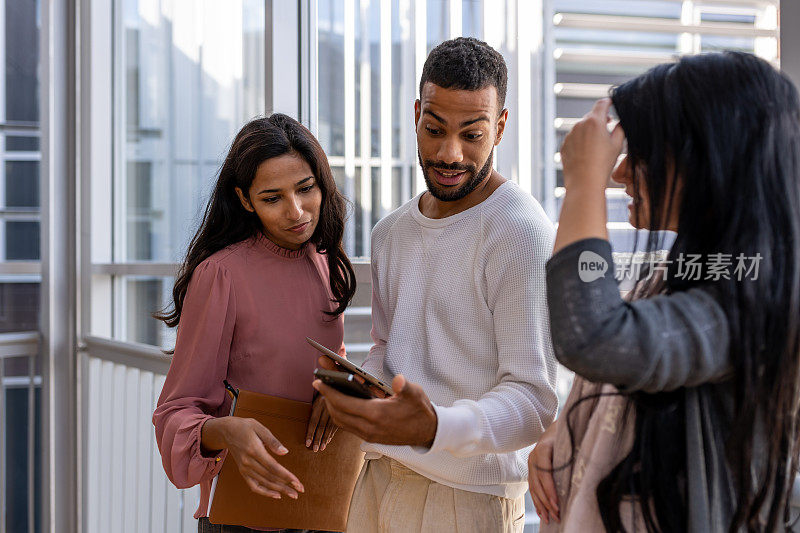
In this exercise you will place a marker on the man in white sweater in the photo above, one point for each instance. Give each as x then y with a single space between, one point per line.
459 322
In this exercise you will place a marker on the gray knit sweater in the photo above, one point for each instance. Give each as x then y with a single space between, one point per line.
656 344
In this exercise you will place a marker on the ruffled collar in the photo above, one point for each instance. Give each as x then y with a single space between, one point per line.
279 250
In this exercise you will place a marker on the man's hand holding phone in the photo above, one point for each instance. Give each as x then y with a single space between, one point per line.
328 364
405 418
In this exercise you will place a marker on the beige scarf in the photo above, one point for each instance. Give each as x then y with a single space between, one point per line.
603 434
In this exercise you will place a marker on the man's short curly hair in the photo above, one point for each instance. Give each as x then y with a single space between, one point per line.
468 64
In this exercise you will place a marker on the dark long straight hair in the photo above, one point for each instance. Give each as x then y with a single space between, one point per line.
226 222
719 135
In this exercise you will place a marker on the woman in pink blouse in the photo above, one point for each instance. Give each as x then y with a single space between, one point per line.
265 270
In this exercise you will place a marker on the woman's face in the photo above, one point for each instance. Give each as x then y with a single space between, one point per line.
639 208
286 198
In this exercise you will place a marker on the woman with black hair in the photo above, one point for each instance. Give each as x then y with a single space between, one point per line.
684 413
265 270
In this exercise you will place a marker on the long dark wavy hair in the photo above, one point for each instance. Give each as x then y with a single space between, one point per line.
719 136
226 221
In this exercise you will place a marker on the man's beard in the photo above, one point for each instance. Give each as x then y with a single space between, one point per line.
453 194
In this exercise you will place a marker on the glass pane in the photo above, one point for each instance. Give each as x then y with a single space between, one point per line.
358 215
369 107
15 143
374 43
361 58
472 18
377 184
330 76
652 8
144 296
16 402
375 70
20 367
22 184
438 22
716 16
141 216
194 74
338 178
22 240
397 187
19 305
22 60
401 50
712 43
618 208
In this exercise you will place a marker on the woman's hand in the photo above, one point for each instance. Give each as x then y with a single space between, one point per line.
540 477
589 152
250 444
321 428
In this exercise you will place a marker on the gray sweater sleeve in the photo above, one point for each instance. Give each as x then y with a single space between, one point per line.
654 344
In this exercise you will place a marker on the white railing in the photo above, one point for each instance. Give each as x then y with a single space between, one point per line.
123 482
124 485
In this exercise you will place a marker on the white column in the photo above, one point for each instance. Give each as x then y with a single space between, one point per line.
767 19
456 19
689 43
58 311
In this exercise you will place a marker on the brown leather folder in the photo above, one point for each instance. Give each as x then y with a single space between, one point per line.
328 476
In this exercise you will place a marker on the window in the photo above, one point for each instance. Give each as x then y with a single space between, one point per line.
19 166
182 107
20 384
370 58
187 77
597 45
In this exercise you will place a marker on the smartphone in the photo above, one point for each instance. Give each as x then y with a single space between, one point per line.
352 367
344 382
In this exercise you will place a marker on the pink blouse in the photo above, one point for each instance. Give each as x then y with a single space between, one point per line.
247 312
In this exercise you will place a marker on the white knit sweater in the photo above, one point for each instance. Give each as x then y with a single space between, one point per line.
459 307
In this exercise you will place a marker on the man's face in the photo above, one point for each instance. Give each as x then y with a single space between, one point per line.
456 132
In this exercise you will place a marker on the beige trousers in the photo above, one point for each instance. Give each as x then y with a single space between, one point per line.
391 498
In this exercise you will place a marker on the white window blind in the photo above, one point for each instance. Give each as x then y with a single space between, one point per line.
596 45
